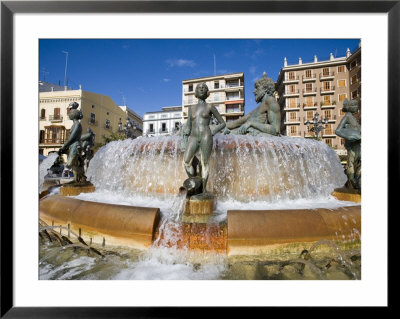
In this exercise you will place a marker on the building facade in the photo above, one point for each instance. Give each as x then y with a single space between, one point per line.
135 118
226 94
305 89
100 113
164 122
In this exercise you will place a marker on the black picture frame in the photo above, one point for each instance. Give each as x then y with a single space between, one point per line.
9 8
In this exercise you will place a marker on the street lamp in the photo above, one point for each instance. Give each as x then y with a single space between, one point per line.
66 63
318 126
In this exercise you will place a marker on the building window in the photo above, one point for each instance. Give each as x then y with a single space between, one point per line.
293 130
309 115
54 135
328 141
291 89
293 116
309 88
190 87
328 129
308 74
342 97
327 100
151 128
354 79
325 71
291 103
216 84
92 119
108 113
57 115
233 108
108 124
92 106
163 127
327 86
341 83
353 64
42 114
309 101
290 76
177 125
342 141
353 94
340 69
41 136
328 114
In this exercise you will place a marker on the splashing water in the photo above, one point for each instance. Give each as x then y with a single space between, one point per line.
243 168
44 166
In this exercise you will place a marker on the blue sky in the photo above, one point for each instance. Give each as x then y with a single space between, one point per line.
148 73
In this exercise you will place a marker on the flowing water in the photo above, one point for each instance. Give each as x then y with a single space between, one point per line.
246 173
44 166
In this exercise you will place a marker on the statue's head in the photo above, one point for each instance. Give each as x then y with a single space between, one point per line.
350 106
75 115
73 105
201 91
262 87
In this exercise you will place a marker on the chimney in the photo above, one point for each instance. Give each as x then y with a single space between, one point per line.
284 62
348 53
315 59
331 57
300 61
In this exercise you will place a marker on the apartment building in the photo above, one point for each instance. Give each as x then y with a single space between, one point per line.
226 94
100 113
164 122
305 89
135 118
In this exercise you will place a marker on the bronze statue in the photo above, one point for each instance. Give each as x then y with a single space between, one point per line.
350 130
266 118
74 146
87 152
197 135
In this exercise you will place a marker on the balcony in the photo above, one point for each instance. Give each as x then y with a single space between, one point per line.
291 79
92 122
233 85
310 106
328 105
291 93
292 121
292 107
52 141
312 91
55 118
326 76
309 78
328 134
327 90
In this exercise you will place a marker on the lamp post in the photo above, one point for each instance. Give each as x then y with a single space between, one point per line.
318 125
66 63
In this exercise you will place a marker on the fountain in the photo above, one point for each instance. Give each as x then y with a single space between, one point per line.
271 197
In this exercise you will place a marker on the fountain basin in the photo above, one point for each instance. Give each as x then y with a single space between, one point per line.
249 232
99 222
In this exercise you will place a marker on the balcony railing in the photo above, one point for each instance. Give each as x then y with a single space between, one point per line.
293 92
295 120
291 79
310 106
293 106
330 89
311 77
233 85
55 118
52 141
326 75
310 91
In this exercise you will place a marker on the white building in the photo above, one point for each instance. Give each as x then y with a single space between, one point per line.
164 122
226 94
